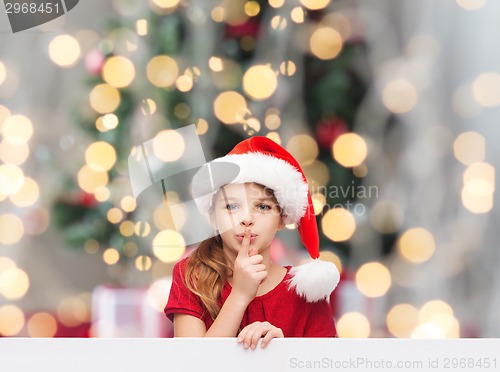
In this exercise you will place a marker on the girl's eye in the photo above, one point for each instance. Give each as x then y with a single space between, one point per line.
231 207
264 207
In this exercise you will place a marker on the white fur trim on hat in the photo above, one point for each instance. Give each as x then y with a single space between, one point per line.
284 179
314 280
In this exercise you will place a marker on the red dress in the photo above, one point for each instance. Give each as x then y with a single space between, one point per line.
281 307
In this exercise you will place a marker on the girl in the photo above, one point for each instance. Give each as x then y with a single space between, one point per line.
229 286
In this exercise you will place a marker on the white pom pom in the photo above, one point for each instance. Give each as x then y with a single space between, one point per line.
315 280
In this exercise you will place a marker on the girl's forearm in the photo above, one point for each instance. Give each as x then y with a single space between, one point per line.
229 319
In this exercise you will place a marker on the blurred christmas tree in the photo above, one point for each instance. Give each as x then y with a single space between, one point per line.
290 72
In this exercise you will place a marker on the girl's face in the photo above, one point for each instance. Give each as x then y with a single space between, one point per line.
251 205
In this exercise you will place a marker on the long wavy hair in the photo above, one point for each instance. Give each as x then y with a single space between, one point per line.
206 272
207 268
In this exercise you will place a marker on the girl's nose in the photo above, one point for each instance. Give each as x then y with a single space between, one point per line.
247 218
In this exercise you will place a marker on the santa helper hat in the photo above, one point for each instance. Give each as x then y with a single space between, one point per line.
263 161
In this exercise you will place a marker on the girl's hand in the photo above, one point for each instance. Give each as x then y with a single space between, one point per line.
251 334
249 271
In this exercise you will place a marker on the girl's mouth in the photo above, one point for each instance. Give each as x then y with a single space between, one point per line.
240 237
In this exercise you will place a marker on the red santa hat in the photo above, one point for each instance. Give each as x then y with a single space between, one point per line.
263 161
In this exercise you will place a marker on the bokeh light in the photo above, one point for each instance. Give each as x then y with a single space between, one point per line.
252 8
287 68
317 173
319 202
230 107
3 72
201 127
128 203
127 228
326 43
111 256
416 245
350 150
402 319
168 5
4 114
162 71
115 215
304 148
469 147
273 120
102 194
14 154
148 106
156 294
278 23
276 3
110 121
17 129
64 50
90 180
399 96
297 15
141 27
338 224
11 320
353 325
184 83
42 325
118 71
11 229
104 98
434 307
215 64
27 195
486 89
73 311
315 4
168 145
14 283
478 189
130 249
168 246
471 4
100 156
260 82
339 22
143 263
11 179
428 331
142 228
373 279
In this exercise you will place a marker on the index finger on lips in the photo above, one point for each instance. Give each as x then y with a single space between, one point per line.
245 244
